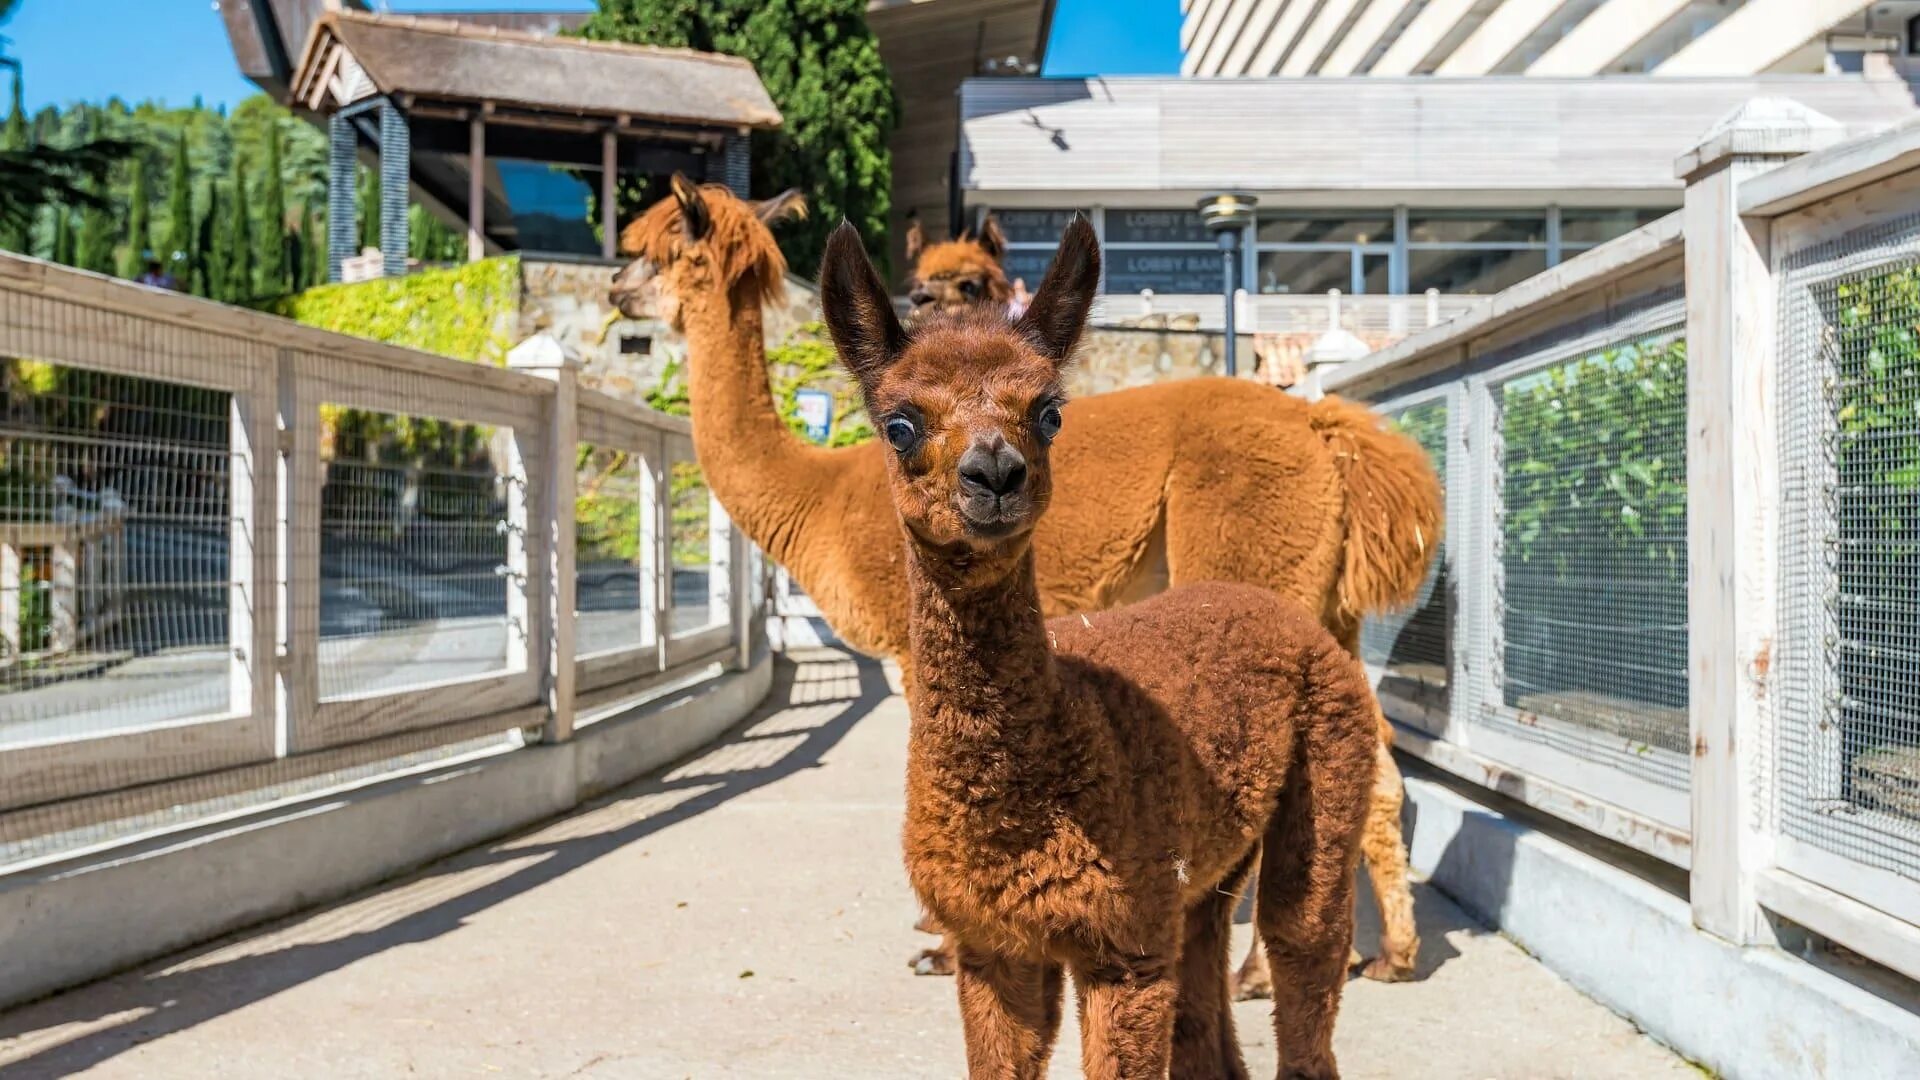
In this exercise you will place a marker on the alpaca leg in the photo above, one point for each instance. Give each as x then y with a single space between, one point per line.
938 960
1126 1018
1386 856
1252 982
1204 1045
1010 1012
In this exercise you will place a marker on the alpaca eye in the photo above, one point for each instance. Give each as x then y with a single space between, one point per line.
1049 422
901 434
970 289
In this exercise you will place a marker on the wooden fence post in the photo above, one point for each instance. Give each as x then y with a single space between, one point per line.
1733 500
551 512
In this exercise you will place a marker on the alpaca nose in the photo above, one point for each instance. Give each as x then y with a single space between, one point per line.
996 469
920 297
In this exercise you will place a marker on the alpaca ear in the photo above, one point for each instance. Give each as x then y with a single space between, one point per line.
916 238
694 219
858 312
1058 313
789 205
992 240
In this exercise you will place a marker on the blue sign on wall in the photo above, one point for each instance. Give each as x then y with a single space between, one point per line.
816 412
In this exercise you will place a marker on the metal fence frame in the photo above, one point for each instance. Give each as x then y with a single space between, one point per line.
278 375
1770 182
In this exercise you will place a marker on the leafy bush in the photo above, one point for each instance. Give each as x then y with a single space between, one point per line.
467 312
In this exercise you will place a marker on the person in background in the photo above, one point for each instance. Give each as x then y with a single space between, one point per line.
155 276
1017 306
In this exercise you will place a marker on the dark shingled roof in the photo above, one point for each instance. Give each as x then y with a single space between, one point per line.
447 60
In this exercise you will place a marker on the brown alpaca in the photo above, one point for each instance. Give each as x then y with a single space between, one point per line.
1326 509
959 273
1087 795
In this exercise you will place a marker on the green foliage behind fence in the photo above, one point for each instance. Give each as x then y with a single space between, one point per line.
467 312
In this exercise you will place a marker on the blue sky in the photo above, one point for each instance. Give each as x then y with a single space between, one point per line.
174 49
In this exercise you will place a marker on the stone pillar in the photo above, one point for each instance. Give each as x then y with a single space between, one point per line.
1331 349
342 162
396 153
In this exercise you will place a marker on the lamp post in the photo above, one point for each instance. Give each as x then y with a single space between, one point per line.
1226 214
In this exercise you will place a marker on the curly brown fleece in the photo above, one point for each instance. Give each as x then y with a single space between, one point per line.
1220 480
1088 794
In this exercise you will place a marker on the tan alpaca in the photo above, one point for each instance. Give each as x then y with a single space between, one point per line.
1087 795
1222 480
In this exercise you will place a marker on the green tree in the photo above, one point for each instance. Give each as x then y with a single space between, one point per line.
182 248
239 268
822 66
17 235
273 220
62 236
216 242
310 259
139 220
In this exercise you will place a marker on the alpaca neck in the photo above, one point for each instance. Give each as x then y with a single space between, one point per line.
983 670
759 470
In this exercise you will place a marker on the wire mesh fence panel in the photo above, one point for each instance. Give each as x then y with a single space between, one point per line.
414 536
613 553
1409 654
697 552
1847 753
114 566
1591 547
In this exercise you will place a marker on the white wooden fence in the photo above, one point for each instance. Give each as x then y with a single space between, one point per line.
329 551
1679 600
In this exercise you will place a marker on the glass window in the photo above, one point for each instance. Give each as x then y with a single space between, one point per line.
1337 229
1583 227
1028 264
552 206
1305 272
1476 227
1472 271
1033 226
1195 270
1156 227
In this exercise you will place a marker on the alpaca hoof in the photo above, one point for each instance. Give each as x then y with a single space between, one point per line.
1247 987
1381 969
931 962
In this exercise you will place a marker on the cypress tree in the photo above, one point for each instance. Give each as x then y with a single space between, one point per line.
18 138
216 236
182 240
822 67
139 220
63 236
273 220
240 239
312 265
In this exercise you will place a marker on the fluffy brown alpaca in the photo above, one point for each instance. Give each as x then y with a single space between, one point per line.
1086 795
959 273
1222 480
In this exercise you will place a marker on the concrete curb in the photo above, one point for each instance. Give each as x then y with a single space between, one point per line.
1753 1012
72 922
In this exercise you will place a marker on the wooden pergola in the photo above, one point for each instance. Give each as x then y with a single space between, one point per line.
435 97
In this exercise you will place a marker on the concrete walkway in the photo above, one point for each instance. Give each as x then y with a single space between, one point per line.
744 914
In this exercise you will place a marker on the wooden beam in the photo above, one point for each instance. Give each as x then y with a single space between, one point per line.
1504 29
609 191
1313 40
1421 36
1360 38
477 189
1285 30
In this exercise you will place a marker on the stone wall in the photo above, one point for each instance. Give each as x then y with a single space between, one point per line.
619 356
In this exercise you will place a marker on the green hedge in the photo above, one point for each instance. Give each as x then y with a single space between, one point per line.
467 312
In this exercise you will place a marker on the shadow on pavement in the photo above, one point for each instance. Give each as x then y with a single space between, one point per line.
185 990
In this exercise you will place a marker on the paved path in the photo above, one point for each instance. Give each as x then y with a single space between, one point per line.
744 914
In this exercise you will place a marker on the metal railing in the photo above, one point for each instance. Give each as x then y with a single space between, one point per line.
237 553
1678 598
1380 319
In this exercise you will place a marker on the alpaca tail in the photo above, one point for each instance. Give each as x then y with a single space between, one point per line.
1394 508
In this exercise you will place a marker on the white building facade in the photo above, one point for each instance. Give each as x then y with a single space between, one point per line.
1410 155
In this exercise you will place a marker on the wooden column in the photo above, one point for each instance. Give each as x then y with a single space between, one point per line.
609 193
477 188
1733 501
551 578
